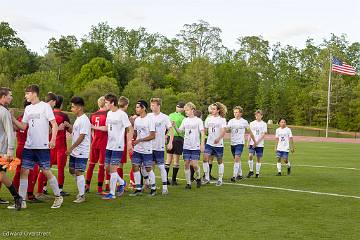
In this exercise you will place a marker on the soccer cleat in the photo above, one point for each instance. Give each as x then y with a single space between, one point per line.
80 199
232 179
192 179
87 189
19 204
2 201
65 194
121 189
278 174
239 177
168 182
198 183
174 183
250 174
58 202
212 178
188 186
45 192
152 192
102 193
108 196
136 193
33 199
218 183
289 171
257 175
165 192
205 181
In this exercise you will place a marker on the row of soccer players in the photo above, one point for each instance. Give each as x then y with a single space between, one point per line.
149 144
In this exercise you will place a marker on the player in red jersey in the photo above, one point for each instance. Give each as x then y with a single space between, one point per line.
98 146
21 139
58 154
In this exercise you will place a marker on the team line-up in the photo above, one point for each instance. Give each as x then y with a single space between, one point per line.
110 135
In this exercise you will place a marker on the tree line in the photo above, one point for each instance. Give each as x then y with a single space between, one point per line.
283 81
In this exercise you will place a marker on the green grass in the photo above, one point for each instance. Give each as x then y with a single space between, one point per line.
227 212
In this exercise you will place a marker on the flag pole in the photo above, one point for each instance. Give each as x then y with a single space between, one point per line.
328 99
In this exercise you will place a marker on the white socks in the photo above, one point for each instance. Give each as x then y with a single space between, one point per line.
197 173
187 176
288 164
163 174
55 186
258 166
152 179
145 174
236 169
221 171
278 166
206 170
113 180
251 165
23 187
137 177
80 180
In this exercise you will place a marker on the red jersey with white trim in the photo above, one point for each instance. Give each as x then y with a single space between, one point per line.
100 138
60 118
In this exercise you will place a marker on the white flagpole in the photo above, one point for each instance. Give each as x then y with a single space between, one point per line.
328 99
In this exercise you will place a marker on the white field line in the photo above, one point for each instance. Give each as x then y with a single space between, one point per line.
273 188
304 165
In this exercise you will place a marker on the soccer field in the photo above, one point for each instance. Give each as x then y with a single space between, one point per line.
320 200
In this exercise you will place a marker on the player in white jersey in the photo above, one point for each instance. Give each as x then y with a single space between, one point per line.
215 125
194 141
238 127
37 146
117 123
285 143
162 125
143 154
80 148
259 128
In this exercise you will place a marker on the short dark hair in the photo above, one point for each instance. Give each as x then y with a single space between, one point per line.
33 88
4 91
78 101
111 98
282 119
143 104
50 96
59 101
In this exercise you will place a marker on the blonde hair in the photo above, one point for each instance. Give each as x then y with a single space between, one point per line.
156 100
101 102
238 108
221 107
123 101
190 105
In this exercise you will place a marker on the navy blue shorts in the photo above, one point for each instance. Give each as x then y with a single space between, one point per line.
259 151
158 157
30 157
218 152
78 164
140 158
191 155
113 157
282 154
237 150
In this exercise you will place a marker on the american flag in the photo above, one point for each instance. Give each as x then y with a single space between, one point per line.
341 67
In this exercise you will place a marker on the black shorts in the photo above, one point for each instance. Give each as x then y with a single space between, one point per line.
177 145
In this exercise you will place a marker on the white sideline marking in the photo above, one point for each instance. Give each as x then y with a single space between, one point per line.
304 165
272 188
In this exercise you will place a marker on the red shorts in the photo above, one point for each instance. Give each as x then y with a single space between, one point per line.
124 156
97 155
58 157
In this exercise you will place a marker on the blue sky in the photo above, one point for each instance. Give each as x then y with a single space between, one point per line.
285 21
